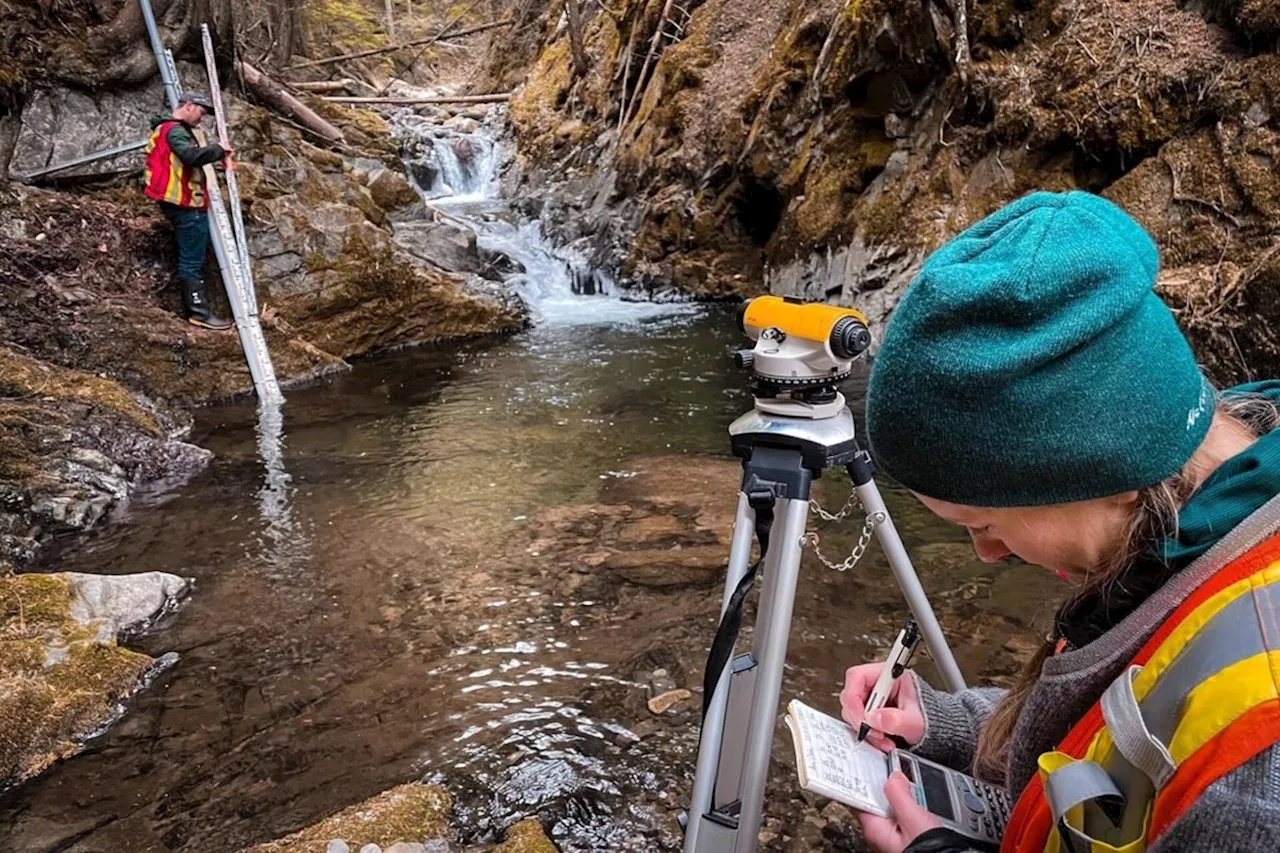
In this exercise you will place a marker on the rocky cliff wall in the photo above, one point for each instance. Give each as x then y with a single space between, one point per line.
822 147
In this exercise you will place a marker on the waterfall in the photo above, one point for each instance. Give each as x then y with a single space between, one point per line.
457 169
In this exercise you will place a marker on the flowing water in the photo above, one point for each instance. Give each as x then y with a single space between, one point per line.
373 603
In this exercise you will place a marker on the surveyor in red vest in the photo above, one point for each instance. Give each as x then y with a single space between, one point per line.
175 179
1034 391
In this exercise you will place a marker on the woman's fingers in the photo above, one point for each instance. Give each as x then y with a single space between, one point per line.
912 818
858 683
906 723
881 833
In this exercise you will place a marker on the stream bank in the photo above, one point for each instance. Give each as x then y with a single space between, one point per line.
98 372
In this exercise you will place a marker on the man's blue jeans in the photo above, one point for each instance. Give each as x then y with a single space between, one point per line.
192 227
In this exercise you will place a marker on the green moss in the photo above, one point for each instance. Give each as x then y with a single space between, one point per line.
58 681
344 24
32 604
526 837
882 221
22 376
534 108
411 812
23 430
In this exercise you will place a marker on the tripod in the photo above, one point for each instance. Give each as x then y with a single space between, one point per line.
781 456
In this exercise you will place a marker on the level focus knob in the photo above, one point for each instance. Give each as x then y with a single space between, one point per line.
744 358
849 337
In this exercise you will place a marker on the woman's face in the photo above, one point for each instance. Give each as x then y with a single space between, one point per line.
1073 539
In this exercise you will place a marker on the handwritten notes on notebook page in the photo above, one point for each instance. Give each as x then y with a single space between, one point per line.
832 763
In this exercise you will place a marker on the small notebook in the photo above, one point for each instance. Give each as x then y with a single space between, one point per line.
832 763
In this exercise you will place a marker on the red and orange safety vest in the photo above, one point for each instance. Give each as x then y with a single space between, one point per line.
168 178
1200 699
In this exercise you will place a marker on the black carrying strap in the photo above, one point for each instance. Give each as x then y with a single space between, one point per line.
730 623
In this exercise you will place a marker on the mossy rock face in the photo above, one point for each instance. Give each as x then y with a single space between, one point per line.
61 674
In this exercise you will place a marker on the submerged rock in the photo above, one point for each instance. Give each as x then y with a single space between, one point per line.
62 676
667 525
403 813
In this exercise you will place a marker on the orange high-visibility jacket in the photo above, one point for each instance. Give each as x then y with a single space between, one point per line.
168 178
1201 698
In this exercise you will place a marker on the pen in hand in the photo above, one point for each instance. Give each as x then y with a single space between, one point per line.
899 656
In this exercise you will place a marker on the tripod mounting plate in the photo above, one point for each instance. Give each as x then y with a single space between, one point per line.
828 441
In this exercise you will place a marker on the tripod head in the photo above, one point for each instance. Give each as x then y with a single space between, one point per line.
802 352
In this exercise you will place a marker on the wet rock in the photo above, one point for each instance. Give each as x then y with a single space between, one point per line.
123 602
660 681
390 190
463 124
665 702
896 127
385 823
74 448
409 811
62 675
440 245
674 567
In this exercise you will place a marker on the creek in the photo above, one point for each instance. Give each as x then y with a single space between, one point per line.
373 604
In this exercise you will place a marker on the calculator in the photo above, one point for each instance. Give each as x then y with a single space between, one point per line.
972 808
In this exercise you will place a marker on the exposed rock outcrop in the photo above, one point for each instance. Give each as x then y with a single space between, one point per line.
62 676
822 147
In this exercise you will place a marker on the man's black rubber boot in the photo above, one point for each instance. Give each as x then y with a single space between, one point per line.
196 306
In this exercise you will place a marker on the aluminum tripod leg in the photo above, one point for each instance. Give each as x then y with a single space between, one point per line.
713 724
770 650
737 733
909 582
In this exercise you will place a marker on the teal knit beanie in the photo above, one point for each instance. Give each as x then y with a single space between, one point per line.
1031 363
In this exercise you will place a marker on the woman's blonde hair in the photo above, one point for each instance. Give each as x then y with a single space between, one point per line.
1155 519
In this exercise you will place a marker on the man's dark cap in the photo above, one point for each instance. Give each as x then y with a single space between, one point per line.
196 98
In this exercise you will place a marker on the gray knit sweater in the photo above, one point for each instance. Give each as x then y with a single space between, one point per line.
1239 813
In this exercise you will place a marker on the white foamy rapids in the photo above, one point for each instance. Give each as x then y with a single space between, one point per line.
559 286
467 167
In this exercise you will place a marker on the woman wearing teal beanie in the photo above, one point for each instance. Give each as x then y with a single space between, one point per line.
1033 389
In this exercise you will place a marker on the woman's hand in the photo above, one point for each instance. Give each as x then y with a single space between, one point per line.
900 716
909 821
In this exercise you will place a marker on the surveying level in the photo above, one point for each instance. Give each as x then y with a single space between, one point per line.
799 427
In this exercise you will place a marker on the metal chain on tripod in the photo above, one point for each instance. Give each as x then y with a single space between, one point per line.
812 540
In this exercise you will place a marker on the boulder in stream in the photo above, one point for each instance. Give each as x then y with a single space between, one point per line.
410 816
62 675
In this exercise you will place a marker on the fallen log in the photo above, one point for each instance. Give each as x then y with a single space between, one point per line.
359 54
319 86
406 102
273 95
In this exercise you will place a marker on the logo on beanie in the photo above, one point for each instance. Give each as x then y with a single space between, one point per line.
1201 406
